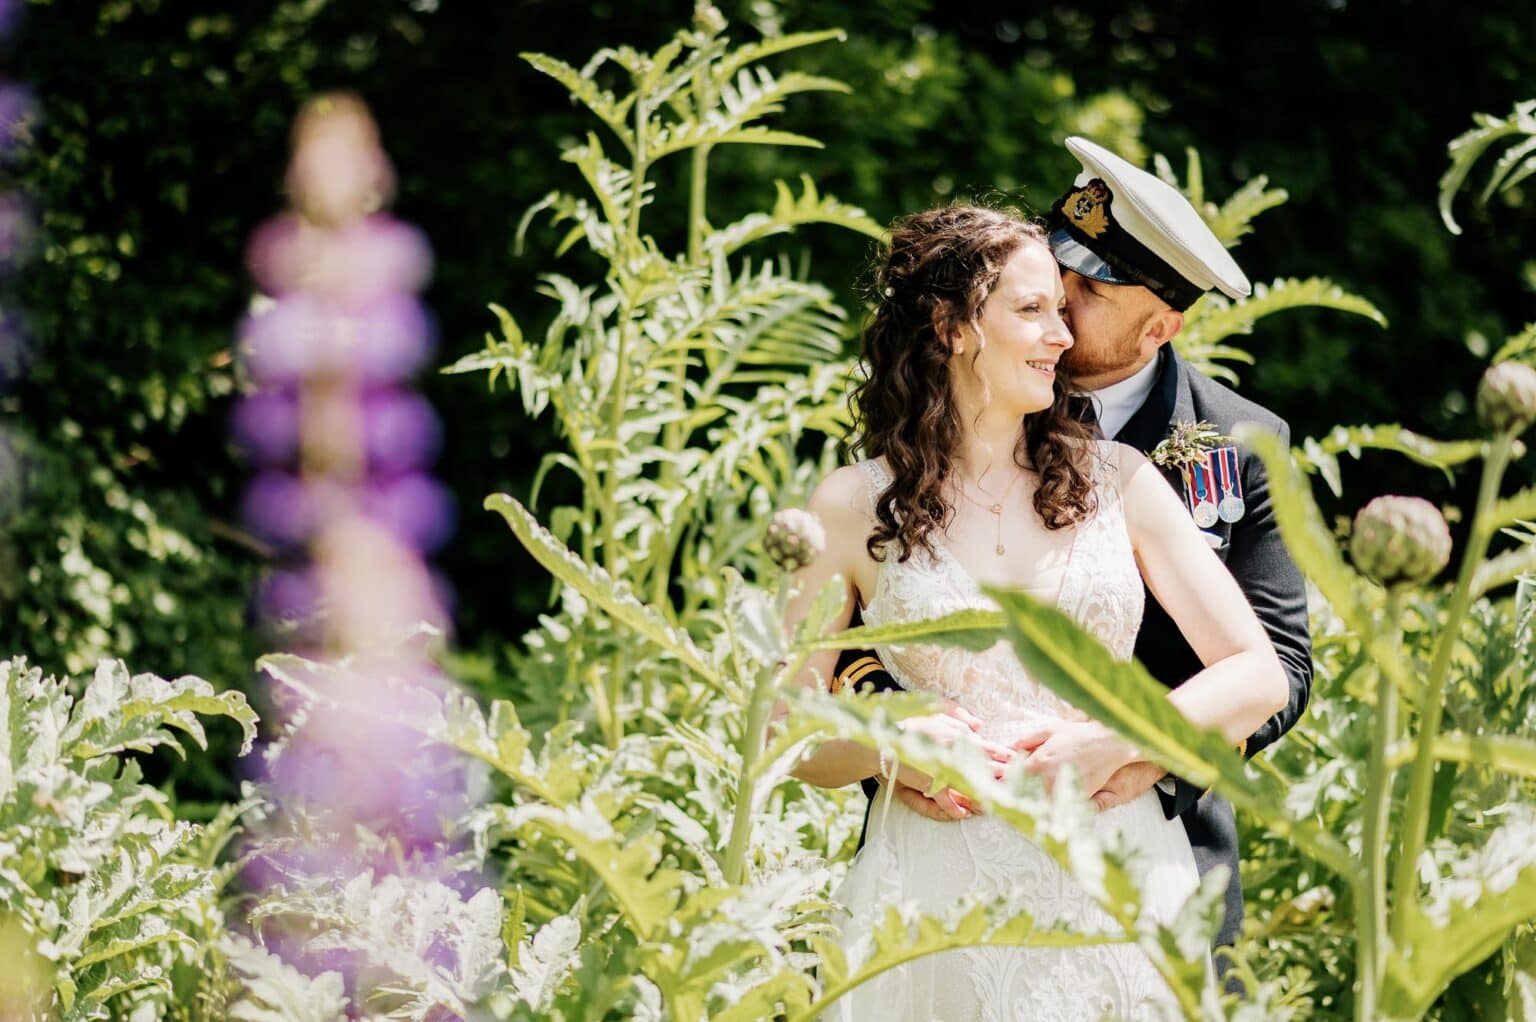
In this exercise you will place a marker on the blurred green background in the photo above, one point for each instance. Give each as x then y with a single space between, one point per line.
164 135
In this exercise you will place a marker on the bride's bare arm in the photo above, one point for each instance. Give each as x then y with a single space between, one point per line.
837 762
1243 684
839 503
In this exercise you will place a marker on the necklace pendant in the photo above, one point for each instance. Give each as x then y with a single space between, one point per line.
996 509
1000 550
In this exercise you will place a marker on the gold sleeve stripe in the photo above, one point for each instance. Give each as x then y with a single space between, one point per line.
861 669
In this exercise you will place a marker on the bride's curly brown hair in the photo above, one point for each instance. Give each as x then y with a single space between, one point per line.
934 276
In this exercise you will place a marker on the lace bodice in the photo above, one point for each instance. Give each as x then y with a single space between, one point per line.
1100 589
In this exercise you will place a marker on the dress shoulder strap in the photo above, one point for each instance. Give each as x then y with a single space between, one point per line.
1105 461
876 478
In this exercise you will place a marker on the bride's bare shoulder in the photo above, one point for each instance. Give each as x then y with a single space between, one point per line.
842 502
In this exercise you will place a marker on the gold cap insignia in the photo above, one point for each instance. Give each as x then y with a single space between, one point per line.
1088 208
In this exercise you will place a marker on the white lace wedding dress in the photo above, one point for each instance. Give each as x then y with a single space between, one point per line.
933 864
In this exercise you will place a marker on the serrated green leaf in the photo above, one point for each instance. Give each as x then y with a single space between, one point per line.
1214 318
594 584
1468 147
1321 455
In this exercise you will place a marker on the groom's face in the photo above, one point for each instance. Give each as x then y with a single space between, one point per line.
1109 324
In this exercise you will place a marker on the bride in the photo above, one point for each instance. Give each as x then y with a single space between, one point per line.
978 474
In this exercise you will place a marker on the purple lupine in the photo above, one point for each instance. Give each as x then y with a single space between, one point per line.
341 451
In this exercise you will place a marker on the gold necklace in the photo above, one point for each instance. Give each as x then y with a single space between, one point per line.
996 508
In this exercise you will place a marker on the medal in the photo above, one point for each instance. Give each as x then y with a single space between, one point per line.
1231 506
1205 511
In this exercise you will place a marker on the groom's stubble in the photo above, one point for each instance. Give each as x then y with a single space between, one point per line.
1107 322
1103 356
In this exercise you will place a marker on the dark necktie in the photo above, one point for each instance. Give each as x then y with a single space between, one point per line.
1087 413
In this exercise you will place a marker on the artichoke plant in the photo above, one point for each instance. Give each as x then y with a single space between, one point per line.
794 539
1506 397
1400 540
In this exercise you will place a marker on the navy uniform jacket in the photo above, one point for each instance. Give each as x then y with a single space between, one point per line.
1256 557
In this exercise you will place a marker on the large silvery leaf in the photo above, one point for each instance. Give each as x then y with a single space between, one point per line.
1077 667
1215 318
631 868
118 713
545 960
1322 455
1467 148
597 586
970 629
273 991
443 950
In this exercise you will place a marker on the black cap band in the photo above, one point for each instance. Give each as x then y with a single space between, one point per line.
1085 215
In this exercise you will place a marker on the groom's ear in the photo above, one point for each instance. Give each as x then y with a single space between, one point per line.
1162 326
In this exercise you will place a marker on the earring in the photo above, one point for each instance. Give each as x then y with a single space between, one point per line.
959 349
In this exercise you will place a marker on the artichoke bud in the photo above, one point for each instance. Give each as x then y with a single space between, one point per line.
1506 397
794 539
1400 540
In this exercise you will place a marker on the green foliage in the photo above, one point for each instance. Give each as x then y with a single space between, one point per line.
1517 163
676 368
116 896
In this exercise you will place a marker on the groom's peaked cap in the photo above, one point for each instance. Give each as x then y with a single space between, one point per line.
1121 225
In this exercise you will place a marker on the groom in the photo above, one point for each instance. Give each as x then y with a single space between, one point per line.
1134 256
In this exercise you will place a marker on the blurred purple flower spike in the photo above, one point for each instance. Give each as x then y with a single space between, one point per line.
278 506
415 508
394 339
15 349
279 340
290 596
401 431
352 265
18 113
266 426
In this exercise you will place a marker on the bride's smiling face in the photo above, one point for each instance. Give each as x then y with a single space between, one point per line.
1006 360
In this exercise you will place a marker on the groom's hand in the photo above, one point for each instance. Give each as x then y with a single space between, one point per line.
1127 784
1093 751
947 806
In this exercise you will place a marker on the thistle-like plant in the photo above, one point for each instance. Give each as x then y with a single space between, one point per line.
108 904
681 382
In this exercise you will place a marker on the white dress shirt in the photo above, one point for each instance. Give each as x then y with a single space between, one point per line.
1116 403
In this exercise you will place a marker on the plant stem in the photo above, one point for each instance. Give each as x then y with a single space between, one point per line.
1405 887
629 248
676 436
759 706
1371 906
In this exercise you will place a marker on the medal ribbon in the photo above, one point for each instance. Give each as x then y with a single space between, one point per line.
1222 473
1197 472
1229 462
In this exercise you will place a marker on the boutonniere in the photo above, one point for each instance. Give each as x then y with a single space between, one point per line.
1189 443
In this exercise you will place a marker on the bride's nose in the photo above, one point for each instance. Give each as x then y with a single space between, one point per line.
1058 333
